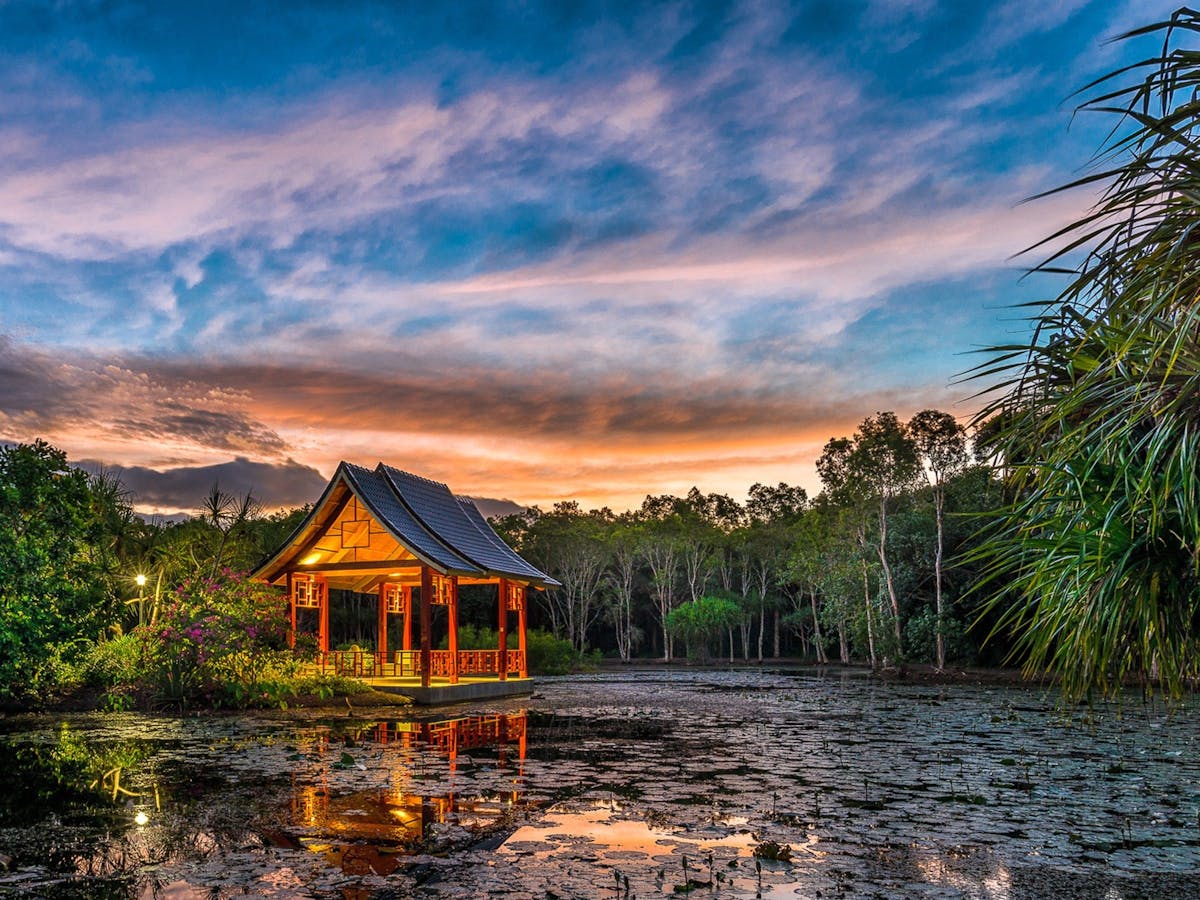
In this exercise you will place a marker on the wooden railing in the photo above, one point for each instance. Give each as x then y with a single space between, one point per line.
407 663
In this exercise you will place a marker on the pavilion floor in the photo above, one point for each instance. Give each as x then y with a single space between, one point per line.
441 691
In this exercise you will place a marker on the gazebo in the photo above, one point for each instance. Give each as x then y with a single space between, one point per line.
390 533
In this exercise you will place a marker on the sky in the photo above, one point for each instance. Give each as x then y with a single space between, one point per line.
536 251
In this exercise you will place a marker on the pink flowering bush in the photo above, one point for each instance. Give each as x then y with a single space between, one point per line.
222 641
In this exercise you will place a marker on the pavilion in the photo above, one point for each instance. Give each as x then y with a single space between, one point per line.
393 534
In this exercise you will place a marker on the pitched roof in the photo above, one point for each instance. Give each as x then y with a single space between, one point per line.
375 491
443 531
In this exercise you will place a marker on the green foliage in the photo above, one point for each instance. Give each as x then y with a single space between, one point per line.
221 640
479 637
701 620
920 638
55 588
549 655
1098 426
118 661
326 686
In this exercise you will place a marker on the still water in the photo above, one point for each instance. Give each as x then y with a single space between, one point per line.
638 784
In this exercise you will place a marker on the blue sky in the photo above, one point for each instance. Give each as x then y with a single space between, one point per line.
538 251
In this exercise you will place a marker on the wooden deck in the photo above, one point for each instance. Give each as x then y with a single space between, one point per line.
441 691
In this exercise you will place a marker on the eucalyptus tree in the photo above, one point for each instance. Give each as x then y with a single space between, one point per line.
621 575
811 537
661 550
781 503
885 458
871 469
704 519
764 546
842 574
571 545
942 447
846 493
1102 539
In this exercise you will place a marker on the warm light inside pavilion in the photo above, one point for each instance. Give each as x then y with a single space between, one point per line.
412 543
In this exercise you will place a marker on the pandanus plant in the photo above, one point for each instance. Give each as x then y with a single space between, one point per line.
1095 563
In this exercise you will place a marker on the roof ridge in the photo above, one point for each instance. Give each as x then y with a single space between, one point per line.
416 476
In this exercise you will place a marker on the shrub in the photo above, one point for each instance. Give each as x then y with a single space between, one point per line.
326 686
700 621
218 639
549 655
118 661
479 637
920 637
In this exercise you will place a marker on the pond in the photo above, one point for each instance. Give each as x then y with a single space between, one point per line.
631 784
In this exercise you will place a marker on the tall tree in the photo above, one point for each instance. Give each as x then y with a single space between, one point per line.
942 446
621 576
878 463
661 550
886 459
571 545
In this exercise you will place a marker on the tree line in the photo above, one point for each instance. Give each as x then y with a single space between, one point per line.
858 573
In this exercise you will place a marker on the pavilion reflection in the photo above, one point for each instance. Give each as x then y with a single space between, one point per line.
370 830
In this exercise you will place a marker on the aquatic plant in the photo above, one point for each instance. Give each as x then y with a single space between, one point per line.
771 850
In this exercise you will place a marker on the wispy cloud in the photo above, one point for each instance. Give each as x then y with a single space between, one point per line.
592 254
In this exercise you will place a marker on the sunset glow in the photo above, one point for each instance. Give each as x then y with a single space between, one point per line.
537 255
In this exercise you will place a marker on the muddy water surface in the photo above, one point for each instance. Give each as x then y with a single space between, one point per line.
636 784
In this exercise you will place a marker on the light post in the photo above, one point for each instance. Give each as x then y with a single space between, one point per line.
140 601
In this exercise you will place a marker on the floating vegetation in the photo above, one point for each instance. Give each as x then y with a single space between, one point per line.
633 785
773 850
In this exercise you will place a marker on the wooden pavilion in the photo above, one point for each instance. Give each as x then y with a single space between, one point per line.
396 535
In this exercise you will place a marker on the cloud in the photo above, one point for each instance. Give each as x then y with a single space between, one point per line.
144 409
495 509
539 435
183 488
548 256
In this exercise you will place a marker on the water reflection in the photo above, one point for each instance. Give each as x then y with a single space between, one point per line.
367 831
645 785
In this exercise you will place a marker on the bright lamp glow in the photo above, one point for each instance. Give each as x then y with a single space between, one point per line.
141 580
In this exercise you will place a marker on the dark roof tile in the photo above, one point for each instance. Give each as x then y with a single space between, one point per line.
440 511
376 491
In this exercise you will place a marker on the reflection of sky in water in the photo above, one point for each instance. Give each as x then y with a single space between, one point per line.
872 788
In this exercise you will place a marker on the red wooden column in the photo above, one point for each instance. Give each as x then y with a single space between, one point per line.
381 640
406 642
291 592
452 640
426 625
521 625
323 628
502 622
